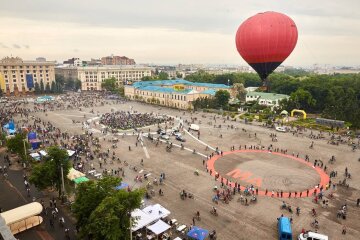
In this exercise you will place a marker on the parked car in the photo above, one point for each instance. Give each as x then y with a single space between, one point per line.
165 137
312 236
280 129
180 138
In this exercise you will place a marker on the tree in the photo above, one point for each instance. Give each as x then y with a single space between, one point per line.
240 91
163 76
41 86
109 84
47 88
222 98
102 211
53 87
303 99
37 88
77 84
48 173
16 145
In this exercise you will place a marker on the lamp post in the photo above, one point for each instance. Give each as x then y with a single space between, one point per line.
62 181
25 153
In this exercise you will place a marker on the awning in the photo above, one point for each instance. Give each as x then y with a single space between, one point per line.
35 156
80 180
157 211
159 227
197 233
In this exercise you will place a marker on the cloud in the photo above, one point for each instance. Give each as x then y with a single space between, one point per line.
76 50
26 46
3 45
16 46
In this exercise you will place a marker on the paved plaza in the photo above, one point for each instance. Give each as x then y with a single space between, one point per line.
243 158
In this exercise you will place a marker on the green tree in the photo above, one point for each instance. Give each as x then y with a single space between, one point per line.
77 84
70 84
240 91
47 88
163 76
222 98
48 173
303 99
102 211
37 88
53 87
41 86
18 145
109 84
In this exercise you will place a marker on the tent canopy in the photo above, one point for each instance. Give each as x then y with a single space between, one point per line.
43 153
141 219
80 180
284 112
157 211
159 227
70 152
73 174
198 233
122 186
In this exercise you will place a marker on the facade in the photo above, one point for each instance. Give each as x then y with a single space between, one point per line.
172 93
267 99
117 60
19 77
91 77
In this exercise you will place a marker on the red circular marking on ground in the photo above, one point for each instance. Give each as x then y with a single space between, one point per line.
324 178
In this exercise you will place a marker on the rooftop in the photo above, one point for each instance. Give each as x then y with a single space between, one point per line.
164 89
270 96
178 81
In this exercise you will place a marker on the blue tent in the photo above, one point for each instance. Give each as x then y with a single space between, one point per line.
12 125
122 186
198 233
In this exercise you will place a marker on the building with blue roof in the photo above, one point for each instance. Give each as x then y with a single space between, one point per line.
178 93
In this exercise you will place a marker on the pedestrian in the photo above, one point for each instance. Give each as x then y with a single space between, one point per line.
193 220
344 230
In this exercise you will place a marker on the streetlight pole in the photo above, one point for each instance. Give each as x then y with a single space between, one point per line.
62 180
25 152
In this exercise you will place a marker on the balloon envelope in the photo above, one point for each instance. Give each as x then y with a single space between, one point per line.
265 40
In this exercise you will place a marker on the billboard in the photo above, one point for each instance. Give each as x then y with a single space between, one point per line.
29 81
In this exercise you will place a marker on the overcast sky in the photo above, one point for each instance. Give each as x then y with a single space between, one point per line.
173 31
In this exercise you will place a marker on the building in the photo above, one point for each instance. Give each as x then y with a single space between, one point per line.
267 99
91 77
19 77
172 93
74 62
117 60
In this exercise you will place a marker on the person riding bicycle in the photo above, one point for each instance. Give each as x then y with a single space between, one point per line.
313 211
214 210
283 206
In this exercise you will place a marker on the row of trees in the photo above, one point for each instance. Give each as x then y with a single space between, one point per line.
333 96
58 86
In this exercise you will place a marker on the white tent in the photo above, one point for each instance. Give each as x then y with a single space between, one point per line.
159 227
156 211
43 153
141 219
70 152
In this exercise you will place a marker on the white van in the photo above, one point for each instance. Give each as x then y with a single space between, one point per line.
312 236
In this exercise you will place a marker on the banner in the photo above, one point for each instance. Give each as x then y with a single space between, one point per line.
29 81
2 83
178 87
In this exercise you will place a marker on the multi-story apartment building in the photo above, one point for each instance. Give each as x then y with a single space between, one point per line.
117 60
177 93
19 77
91 77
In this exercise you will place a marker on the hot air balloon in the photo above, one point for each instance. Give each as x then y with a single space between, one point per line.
265 40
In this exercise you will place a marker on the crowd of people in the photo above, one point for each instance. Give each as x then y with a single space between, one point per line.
127 120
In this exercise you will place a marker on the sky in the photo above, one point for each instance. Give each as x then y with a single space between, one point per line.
173 31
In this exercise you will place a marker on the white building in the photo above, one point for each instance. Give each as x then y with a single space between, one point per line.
91 77
267 99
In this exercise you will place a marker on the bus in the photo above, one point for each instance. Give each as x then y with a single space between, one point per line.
24 217
284 228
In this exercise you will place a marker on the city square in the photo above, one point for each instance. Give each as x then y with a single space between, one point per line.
243 157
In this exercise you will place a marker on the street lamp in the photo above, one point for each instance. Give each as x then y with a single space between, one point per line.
228 82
